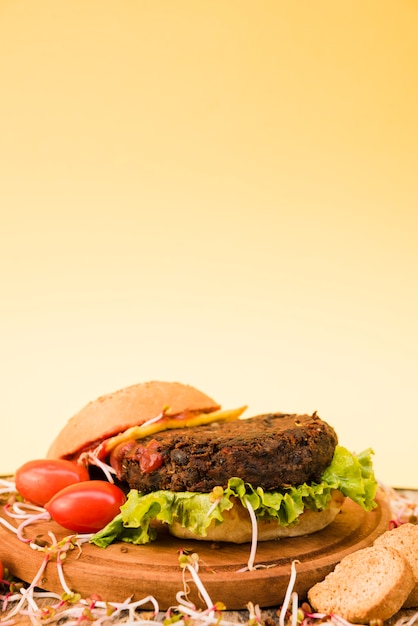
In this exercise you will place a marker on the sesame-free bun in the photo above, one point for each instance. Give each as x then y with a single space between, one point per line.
114 413
236 526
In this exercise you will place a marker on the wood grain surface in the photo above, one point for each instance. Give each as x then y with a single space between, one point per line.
124 570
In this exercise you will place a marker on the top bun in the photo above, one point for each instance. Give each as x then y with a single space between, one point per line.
114 413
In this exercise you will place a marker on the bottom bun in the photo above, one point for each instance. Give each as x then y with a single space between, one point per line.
237 527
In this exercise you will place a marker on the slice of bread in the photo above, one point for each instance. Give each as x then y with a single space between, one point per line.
372 583
404 539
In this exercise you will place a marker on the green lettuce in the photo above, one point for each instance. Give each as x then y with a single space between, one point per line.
351 474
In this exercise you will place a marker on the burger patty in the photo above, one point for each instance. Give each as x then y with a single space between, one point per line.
272 451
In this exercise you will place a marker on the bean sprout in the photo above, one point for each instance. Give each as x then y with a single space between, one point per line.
288 594
7 486
92 458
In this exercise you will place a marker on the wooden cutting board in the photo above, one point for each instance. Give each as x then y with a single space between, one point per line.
124 570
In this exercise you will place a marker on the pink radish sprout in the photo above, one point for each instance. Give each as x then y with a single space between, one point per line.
288 594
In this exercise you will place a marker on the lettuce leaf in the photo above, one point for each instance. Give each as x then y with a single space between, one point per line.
351 474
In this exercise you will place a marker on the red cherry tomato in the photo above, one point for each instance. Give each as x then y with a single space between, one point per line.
86 507
37 481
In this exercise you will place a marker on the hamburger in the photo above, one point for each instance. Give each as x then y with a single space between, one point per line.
210 474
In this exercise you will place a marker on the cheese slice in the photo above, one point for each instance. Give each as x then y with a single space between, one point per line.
153 426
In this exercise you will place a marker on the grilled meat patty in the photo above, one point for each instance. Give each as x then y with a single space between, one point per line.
272 451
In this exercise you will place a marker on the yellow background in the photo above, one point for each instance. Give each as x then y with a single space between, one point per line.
218 192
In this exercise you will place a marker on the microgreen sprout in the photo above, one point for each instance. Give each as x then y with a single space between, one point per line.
288 596
254 535
7 486
254 614
407 621
215 497
332 618
27 514
254 540
190 563
26 596
159 417
92 458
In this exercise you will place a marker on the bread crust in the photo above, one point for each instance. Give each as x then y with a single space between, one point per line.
237 527
115 412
